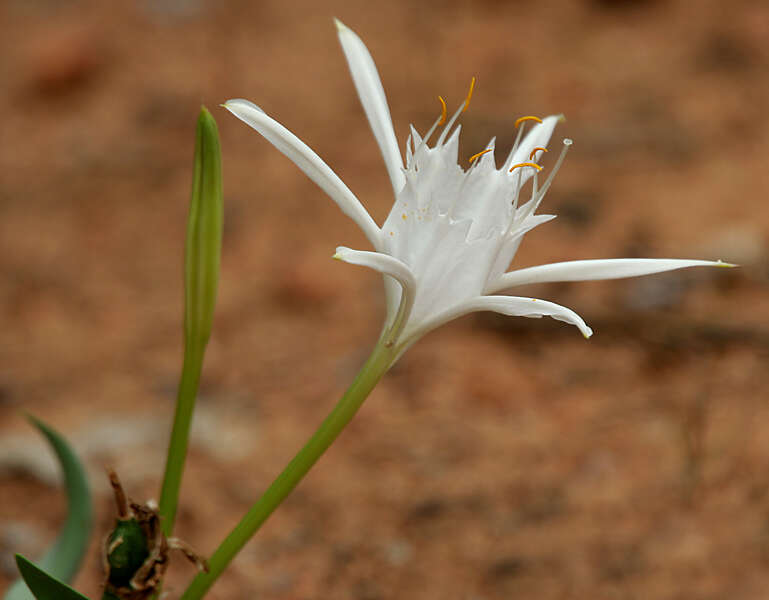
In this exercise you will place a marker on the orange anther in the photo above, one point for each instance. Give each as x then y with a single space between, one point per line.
526 164
529 118
474 156
443 111
533 152
469 94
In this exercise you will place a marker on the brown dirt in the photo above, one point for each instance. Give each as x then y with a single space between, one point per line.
502 458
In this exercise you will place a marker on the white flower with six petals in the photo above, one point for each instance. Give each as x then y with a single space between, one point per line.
452 233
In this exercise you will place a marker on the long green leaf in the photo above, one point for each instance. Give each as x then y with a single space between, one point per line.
203 246
201 278
43 586
64 556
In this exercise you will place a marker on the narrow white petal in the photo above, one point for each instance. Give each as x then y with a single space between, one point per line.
372 96
384 263
594 270
398 270
513 306
309 162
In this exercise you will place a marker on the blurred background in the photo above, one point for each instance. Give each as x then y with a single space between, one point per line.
502 457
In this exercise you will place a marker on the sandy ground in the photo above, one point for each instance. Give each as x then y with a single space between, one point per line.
501 458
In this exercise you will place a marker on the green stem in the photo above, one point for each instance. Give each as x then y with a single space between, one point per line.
371 372
177 446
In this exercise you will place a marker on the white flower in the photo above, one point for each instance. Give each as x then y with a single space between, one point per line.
452 232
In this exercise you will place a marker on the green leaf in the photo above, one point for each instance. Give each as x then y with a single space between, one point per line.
201 279
64 556
43 586
204 233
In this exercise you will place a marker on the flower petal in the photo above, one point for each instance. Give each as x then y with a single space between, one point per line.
511 243
594 270
384 263
397 315
309 162
374 101
514 306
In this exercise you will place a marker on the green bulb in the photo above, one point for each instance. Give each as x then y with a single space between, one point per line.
127 555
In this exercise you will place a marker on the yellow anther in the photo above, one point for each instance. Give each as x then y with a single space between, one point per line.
526 164
469 94
529 118
533 152
443 111
474 156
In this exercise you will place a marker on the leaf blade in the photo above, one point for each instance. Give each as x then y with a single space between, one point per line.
43 585
63 558
201 277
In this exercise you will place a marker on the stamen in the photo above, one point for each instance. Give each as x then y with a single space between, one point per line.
441 120
533 152
519 136
409 154
529 118
425 139
539 194
525 164
443 111
447 127
514 149
517 193
455 116
469 94
474 156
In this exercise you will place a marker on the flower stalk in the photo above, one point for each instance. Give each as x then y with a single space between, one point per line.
201 278
372 371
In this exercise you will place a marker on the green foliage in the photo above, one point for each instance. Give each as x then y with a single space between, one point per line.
204 233
201 279
64 556
43 585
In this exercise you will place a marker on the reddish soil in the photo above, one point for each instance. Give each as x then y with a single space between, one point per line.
501 458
